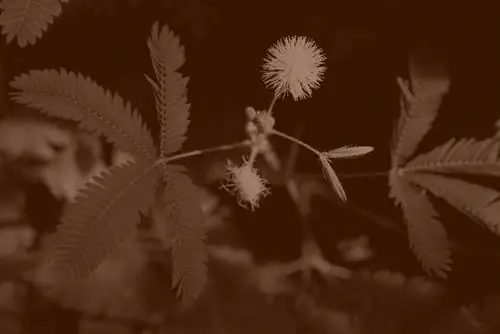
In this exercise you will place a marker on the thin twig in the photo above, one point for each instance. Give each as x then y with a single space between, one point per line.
271 106
245 143
295 140
293 156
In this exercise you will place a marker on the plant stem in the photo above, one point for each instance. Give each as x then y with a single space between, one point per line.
253 156
295 140
293 156
365 174
271 106
319 154
228 147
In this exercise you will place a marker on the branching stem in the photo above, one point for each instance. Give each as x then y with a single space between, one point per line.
248 143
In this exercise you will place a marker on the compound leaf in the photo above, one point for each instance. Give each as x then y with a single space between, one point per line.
429 82
427 236
98 222
468 156
170 88
180 225
477 201
27 20
72 96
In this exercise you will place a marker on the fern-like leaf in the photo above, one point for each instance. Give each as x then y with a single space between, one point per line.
469 156
418 108
476 201
98 221
27 20
180 226
427 236
170 88
72 96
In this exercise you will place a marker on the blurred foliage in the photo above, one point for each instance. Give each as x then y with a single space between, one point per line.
130 294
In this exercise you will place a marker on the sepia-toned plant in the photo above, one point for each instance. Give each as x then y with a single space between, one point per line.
107 210
100 225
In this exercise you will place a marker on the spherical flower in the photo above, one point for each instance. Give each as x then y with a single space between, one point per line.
294 65
246 183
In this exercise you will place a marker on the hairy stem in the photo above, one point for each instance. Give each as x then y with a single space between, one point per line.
244 143
319 154
297 141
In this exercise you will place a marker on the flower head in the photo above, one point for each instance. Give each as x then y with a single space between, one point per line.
246 183
294 65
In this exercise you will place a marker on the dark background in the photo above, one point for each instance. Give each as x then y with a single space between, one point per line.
367 45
